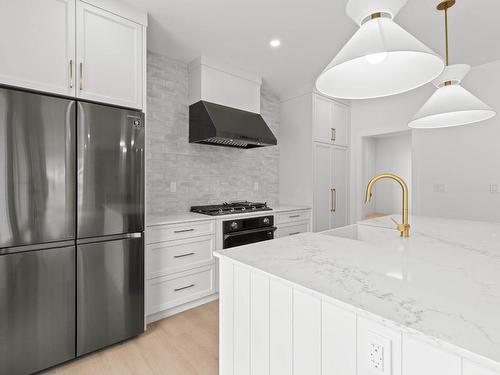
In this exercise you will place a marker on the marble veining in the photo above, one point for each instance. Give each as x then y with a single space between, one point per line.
443 281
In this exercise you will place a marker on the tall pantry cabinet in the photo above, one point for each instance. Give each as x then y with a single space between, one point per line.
314 157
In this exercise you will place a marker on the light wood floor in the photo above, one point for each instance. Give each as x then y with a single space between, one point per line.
183 344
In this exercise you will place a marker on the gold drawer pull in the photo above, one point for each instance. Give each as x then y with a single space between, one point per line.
334 135
294 233
334 200
71 74
184 287
184 230
81 76
183 255
292 216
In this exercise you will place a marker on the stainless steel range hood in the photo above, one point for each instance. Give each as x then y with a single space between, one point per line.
216 124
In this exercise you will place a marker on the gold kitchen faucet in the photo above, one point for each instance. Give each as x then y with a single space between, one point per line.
404 228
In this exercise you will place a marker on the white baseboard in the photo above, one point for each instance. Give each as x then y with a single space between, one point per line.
178 309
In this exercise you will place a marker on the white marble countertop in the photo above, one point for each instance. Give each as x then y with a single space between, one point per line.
443 282
191 216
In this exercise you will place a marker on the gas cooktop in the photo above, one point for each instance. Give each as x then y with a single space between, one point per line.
230 208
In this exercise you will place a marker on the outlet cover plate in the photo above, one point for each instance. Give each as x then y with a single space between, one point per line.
378 353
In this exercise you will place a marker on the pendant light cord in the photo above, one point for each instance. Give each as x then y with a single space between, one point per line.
446 32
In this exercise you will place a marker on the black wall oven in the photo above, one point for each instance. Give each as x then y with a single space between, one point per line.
246 231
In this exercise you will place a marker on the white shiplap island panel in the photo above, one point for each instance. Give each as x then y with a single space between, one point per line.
318 304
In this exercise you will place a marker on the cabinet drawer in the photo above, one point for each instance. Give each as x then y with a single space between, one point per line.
175 256
178 231
290 230
170 291
293 216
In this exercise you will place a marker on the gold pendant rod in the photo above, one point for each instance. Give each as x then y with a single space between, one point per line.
446 32
444 6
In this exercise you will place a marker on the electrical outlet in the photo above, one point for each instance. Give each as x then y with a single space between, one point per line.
173 187
376 357
494 189
256 186
439 188
377 354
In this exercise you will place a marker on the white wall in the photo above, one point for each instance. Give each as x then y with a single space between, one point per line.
462 160
388 153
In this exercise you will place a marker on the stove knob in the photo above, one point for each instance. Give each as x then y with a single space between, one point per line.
265 220
234 225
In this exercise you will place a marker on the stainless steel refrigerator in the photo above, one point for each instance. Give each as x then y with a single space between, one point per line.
71 228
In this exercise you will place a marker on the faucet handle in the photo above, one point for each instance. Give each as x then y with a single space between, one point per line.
402 228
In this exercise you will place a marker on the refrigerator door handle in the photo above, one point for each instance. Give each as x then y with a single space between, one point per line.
125 236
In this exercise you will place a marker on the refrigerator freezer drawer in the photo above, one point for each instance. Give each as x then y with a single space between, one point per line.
110 176
37 310
110 293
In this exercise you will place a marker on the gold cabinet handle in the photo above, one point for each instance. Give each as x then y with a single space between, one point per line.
334 135
293 216
184 230
183 255
81 76
334 200
184 287
71 82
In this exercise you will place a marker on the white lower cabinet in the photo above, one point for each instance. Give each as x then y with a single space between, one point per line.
338 340
470 368
271 327
180 267
173 290
306 334
420 358
292 223
292 229
280 328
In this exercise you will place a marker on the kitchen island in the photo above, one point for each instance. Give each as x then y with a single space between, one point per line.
362 300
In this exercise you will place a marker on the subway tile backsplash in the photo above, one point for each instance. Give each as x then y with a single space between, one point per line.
202 174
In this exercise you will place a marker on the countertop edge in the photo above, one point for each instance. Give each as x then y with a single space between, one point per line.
189 217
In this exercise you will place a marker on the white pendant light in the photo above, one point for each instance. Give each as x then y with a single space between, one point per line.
381 58
451 104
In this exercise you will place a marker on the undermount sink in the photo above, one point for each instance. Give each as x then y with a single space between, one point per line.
365 233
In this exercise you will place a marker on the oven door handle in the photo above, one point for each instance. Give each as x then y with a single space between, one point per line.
250 231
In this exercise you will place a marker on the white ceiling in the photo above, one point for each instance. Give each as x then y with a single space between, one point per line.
311 31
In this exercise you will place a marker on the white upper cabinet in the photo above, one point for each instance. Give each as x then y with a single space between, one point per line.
37 45
73 48
340 121
330 122
109 57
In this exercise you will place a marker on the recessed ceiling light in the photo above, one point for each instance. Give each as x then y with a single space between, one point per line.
275 43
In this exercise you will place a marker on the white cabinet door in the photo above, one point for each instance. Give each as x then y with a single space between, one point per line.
306 334
339 185
109 57
323 193
338 340
420 358
340 123
322 119
281 328
37 44
470 368
330 121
